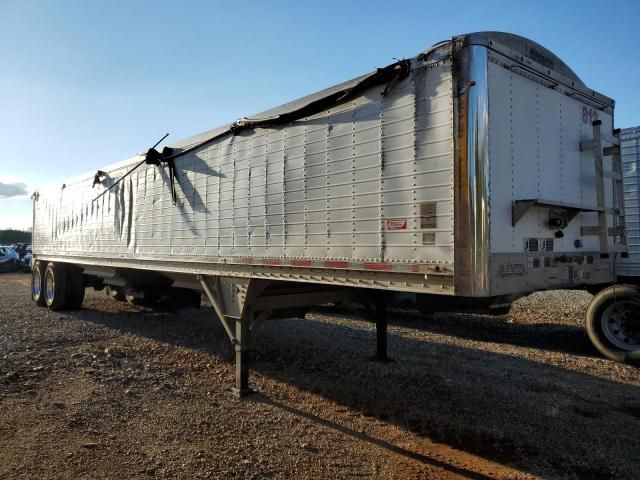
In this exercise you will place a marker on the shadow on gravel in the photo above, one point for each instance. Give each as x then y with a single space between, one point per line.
544 336
434 462
553 337
547 420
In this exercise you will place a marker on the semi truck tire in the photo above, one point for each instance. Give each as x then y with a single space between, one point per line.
56 286
612 322
37 284
76 288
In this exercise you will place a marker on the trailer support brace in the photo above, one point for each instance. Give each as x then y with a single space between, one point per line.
232 300
244 304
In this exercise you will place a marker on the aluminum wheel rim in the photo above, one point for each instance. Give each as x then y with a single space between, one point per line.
49 285
36 282
621 324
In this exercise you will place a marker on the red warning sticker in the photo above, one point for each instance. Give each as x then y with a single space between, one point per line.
396 224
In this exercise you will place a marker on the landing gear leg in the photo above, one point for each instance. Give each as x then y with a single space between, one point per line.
241 345
231 298
380 317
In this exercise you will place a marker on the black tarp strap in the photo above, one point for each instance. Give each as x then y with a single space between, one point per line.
390 75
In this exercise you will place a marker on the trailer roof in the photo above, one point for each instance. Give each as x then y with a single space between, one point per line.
524 47
520 45
515 45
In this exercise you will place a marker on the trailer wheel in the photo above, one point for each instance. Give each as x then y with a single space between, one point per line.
37 284
56 286
76 287
115 293
612 322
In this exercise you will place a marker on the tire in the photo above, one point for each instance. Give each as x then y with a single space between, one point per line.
56 286
115 293
37 284
75 295
612 322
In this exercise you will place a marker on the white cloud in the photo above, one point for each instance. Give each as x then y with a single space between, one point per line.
15 203
16 212
15 189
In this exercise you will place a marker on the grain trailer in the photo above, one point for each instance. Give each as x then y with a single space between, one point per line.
473 173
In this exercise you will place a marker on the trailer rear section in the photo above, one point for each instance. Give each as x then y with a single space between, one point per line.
478 171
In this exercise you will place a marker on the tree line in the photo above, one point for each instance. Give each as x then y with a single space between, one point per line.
10 236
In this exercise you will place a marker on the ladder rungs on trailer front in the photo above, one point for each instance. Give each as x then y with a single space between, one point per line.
590 144
599 152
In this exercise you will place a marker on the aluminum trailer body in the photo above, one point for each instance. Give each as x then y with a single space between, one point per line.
467 171
415 190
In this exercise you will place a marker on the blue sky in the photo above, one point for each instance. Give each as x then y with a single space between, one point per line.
87 83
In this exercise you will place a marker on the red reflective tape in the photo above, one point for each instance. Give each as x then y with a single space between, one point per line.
336 264
271 261
415 268
377 266
300 263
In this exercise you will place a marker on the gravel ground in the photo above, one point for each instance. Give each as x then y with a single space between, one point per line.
113 391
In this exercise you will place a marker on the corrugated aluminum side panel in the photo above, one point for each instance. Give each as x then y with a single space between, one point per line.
630 151
346 184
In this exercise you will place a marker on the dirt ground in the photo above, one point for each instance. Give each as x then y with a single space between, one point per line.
114 391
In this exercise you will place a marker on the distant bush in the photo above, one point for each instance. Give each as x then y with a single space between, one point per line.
8 237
